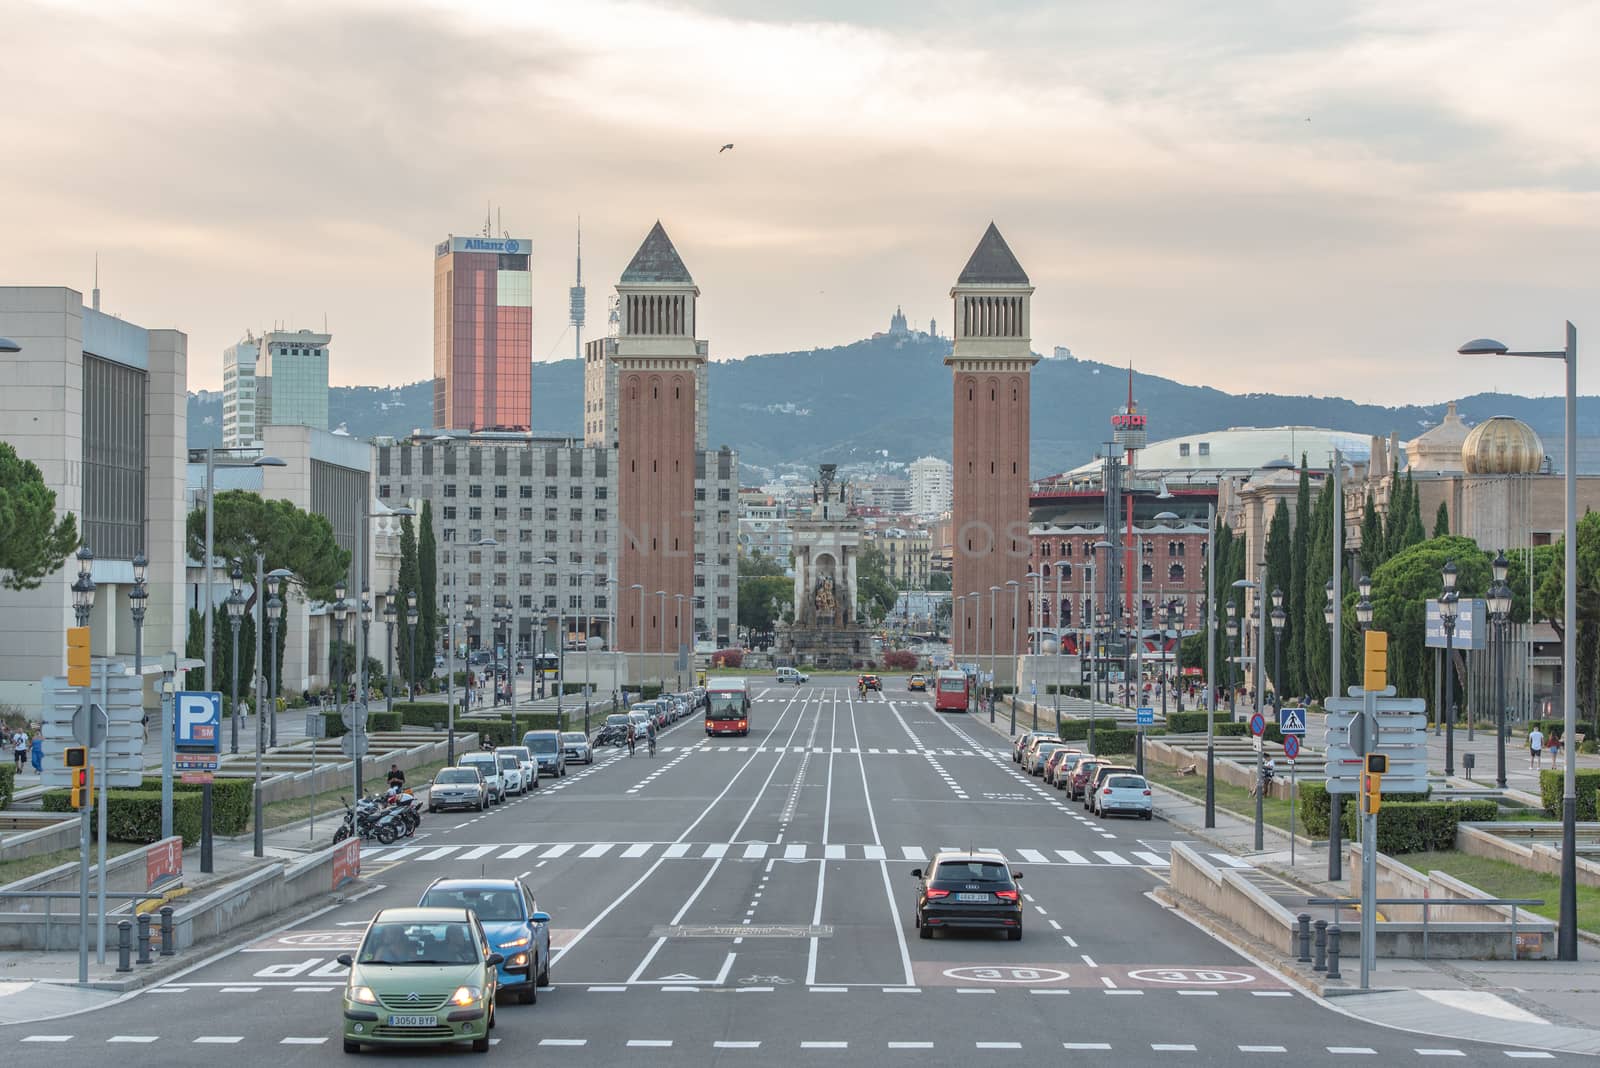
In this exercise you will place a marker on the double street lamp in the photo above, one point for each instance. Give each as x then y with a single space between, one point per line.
1448 608
390 610
412 616
1500 615
1279 619
1232 628
235 618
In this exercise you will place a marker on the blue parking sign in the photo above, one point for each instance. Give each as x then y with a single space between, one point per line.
1147 717
198 720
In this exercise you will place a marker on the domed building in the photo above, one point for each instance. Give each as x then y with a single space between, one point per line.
1502 446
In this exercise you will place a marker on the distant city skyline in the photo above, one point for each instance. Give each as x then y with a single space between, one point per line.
1323 198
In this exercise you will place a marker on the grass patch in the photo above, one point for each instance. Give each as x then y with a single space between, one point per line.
22 867
1230 798
329 802
1501 879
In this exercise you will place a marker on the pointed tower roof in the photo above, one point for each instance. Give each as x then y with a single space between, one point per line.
992 263
657 261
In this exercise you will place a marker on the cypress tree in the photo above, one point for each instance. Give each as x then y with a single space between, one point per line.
409 583
1441 521
1277 578
1412 531
1318 570
1373 539
427 584
1295 591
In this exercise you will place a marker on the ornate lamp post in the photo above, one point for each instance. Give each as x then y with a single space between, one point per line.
1500 613
1232 628
411 625
235 618
1279 618
366 630
1447 617
274 614
390 611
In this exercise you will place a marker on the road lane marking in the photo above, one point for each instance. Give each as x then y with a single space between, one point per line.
794 852
874 852
913 853
308 1041
651 1043
636 850
1268 1049
824 1045
724 1044
1358 1051
830 990
1032 856
877 846
675 850
48 1038
556 851
137 1039
1172 1047
1089 960
598 850
563 1042
1073 857
1441 1053
998 1045
479 851
910 1045
218 1040
608 990
436 854
516 851
1152 859
1086 1045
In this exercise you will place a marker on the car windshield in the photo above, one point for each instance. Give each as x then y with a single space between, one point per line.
497 903
418 943
456 775
1048 747
484 764
547 743
971 871
509 763
620 719
1126 782
574 738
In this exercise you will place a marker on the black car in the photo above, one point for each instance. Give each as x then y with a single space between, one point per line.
974 889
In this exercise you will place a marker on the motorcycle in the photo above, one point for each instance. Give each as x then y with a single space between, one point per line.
407 805
369 820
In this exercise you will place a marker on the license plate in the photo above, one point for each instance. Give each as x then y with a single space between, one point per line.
413 1021
972 897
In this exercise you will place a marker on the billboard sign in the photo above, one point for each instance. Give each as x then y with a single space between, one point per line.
1472 629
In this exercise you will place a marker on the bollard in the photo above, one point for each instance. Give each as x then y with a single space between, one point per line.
1305 938
167 948
124 946
144 938
1321 964
1333 952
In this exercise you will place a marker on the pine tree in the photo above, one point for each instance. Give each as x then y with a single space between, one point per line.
1276 579
1372 537
1441 521
1295 591
1318 571
427 584
409 583
1412 531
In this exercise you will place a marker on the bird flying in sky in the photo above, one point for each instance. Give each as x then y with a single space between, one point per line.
724 148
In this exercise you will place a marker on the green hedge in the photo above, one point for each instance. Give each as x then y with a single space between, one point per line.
384 721
8 784
1076 730
1419 826
134 815
1586 783
1314 806
1069 690
1114 742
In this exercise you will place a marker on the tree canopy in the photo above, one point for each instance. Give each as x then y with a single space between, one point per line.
874 590
287 536
33 542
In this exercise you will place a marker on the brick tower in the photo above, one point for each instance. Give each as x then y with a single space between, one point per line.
658 366
991 361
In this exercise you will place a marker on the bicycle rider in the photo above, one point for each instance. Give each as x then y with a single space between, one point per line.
632 737
650 734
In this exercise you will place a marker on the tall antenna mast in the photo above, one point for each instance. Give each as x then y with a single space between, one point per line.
97 281
578 299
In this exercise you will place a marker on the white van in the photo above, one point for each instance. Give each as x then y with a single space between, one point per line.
488 766
794 675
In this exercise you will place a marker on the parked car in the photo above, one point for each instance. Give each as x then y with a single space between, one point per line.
1080 777
458 787
1091 796
1038 754
975 889
871 682
1022 741
548 750
511 772
488 766
406 952
1061 757
577 747
1123 793
513 922
530 769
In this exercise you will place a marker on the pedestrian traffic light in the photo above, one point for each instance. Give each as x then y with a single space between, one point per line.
1377 660
82 784
78 656
1377 763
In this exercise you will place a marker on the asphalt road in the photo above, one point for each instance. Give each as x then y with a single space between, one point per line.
734 901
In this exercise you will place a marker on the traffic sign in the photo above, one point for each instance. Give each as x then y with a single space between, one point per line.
1292 721
117 692
1146 717
1400 735
89 725
1258 724
354 718
1291 745
194 761
1255 742
199 720
353 745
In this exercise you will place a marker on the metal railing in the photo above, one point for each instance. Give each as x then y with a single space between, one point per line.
1337 904
99 919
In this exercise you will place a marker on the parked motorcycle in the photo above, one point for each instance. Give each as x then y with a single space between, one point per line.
369 820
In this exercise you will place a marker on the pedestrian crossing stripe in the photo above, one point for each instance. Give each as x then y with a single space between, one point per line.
789 851
821 750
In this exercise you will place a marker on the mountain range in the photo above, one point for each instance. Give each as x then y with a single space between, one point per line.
886 400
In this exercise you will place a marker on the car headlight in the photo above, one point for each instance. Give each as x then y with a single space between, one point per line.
466 995
364 995
519 961
515 942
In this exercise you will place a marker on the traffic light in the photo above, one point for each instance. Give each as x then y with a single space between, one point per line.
1377 763
1372 783
1377 660
78 656
82 784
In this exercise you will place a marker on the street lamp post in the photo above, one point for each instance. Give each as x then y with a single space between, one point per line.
1232 628
1567 925
235 617
1016 590
994 657
1060 652
340 608
391 606
678 660
1279 619
1500 613
361 657
588 649
640 628
136 608
661 635
412 615
1448 608
82 606
274 614
1209 617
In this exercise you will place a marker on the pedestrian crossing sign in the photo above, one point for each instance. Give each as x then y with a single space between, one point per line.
1291 721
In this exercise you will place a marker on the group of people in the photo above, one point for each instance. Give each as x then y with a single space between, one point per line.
650 733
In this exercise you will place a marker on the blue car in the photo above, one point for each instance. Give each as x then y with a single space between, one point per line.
517 930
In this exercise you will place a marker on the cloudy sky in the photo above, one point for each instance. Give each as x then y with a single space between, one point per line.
1290 195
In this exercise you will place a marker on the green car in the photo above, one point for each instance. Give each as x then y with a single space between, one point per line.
421 977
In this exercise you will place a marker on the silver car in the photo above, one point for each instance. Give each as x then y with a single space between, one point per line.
577 747
1126 794
459 787
1037 754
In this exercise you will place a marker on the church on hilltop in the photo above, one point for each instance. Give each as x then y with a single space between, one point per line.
900 329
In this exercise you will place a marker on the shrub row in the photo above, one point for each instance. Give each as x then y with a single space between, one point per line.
1115 741
1586 783
1076 730
134 815
1419 826
1315 806
8 783
1069 690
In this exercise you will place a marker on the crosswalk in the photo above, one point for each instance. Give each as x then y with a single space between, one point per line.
791 851
823 750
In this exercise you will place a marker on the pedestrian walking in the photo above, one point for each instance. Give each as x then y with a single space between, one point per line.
19 747
1535 748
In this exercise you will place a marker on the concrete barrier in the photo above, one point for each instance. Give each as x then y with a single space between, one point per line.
1480 840
43 833
34 923
260 894
1227 894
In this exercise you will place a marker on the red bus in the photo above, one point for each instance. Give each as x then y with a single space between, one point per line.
952 691
727 707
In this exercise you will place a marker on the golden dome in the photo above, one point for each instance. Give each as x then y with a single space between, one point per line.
1502 446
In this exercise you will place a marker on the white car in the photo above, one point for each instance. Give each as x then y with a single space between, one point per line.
530 770
488 766
511 772
794 675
